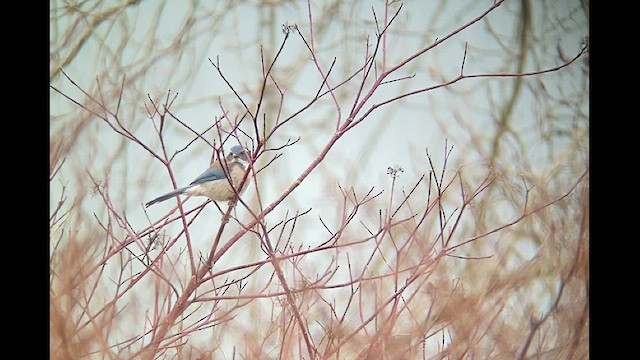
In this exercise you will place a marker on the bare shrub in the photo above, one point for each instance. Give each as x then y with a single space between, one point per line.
474 248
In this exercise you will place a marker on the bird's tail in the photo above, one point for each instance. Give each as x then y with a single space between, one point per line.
166 196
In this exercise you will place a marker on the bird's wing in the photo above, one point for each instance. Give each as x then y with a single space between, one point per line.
211 174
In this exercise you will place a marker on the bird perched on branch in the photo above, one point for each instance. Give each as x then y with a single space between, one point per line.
214 183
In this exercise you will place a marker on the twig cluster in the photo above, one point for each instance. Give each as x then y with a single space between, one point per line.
376 283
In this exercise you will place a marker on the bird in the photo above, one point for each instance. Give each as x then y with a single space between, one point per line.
213 183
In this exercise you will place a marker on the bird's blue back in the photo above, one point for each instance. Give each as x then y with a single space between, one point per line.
211 174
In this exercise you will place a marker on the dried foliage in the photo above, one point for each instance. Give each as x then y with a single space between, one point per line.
482 256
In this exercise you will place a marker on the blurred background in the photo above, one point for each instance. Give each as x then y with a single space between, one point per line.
520 288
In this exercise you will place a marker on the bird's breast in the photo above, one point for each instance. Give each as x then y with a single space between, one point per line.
220 190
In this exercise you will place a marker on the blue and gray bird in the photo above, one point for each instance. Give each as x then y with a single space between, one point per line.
213 183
